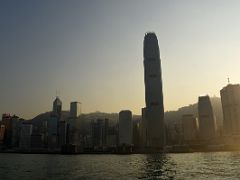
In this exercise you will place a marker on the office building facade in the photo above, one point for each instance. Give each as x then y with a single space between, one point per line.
230 97
206 118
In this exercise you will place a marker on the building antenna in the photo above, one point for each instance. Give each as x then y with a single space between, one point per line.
228 80
57 93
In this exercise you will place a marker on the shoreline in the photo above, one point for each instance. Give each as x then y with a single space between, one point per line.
117 153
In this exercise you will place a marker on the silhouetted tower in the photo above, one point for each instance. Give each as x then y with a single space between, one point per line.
125 127
75 109
230 96
206 118
152 125
57 106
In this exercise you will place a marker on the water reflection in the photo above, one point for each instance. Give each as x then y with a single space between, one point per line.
158 166
219 165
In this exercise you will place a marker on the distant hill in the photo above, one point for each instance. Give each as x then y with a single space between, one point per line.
113 117
46 115
171 117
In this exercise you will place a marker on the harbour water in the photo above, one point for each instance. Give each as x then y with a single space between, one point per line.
210 165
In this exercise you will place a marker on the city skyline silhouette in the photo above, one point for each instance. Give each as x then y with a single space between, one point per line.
120 89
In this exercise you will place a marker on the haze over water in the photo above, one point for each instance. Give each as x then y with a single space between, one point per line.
212 165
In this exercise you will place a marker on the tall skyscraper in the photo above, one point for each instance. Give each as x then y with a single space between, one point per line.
206 118
74 122
152 126
230 96
54 124
57 106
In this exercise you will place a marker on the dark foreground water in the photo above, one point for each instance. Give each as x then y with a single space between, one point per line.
218 165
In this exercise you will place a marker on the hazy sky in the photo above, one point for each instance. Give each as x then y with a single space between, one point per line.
92 51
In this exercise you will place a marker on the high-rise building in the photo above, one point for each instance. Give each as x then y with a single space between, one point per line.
2 133
7 122
112 136
230 96
99 130
74 109
206 118
16 126
189 125
52 125
62 138
73 122
25 136
152 125
57 106
125 128
136 133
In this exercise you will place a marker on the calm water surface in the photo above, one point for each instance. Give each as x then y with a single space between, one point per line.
218 165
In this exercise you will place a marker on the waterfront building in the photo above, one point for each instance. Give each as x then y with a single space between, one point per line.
74 113
105 131
73 134
44 132
136 133
174 133
73 122
112 137
152 125
25 136
206 118
7 122
189 125
2 133
62 133
99 130
52 131
53 125
37 141
40 130
230 97
125 128
16 127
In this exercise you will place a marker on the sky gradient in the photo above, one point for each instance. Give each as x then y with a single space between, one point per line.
92 52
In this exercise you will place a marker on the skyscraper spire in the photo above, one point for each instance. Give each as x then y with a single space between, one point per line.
57 93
